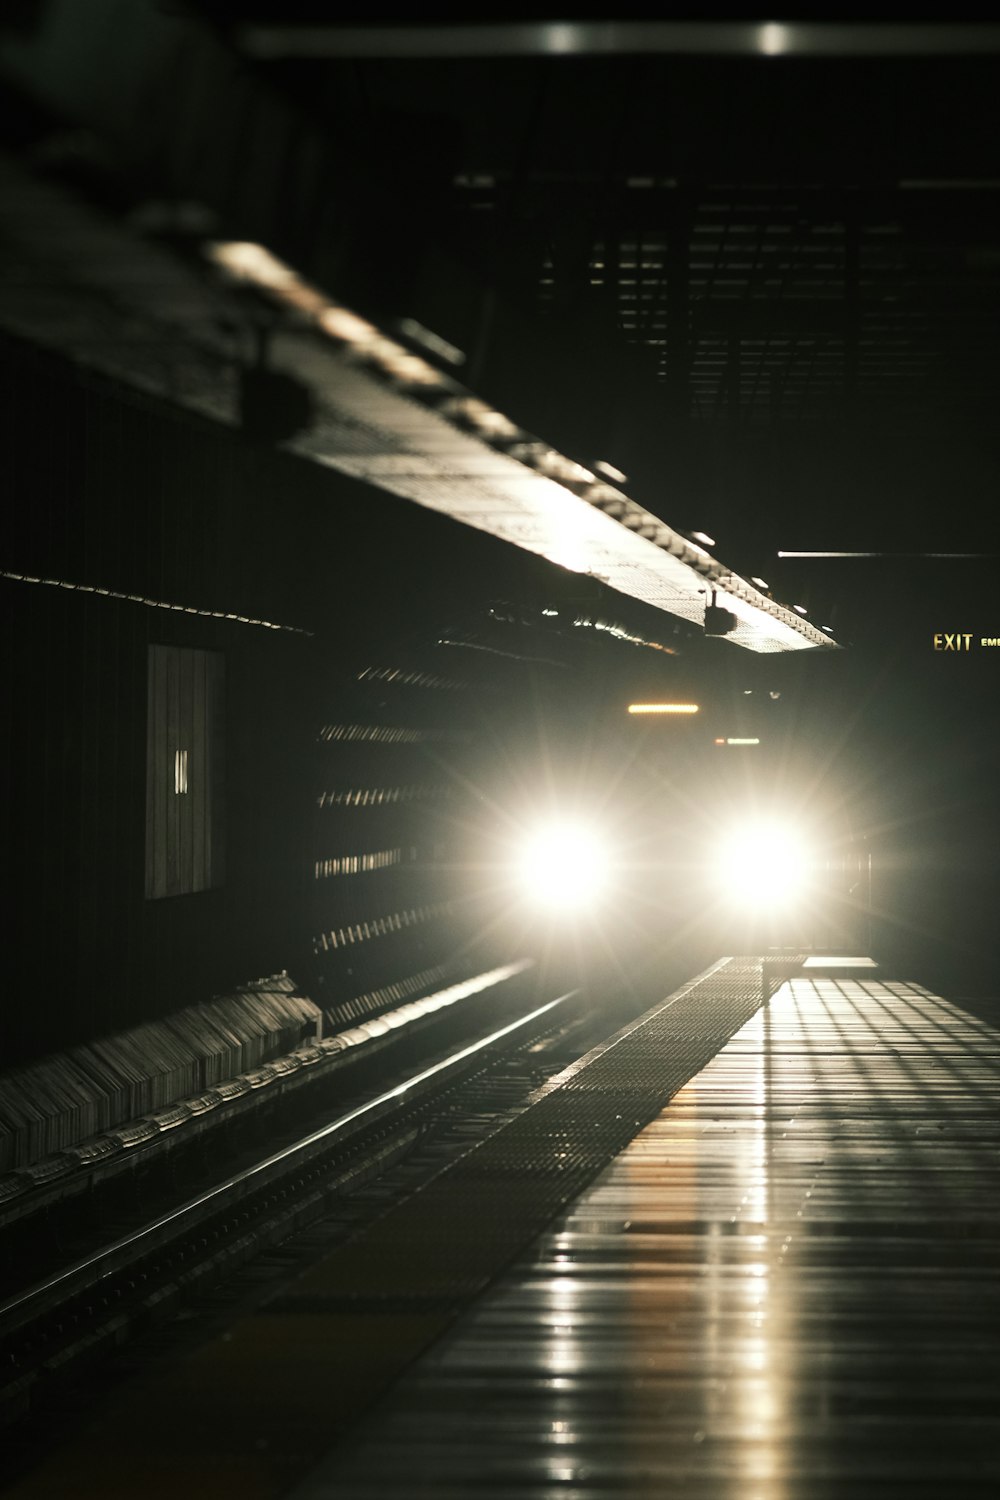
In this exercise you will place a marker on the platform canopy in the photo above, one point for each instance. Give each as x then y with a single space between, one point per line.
109 296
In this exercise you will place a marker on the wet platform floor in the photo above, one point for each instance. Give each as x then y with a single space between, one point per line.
785 1288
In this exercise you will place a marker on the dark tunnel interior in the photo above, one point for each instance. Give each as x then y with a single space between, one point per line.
503 509
765 291
839 397
506 695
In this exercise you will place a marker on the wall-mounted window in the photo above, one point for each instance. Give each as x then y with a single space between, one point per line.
185 786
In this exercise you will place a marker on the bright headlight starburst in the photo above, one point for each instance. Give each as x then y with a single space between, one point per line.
563 866
764 866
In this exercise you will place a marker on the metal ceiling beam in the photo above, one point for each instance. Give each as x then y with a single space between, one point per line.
607 38
76 280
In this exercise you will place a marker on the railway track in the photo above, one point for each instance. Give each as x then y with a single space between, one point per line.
252 1224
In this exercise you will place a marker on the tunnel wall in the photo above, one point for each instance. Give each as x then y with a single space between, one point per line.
358 757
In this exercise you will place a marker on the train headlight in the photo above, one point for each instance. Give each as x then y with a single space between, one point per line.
764 867
563 867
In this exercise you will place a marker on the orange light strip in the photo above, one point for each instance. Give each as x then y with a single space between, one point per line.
663 708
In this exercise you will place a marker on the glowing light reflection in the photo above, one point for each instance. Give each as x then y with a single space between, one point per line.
774 39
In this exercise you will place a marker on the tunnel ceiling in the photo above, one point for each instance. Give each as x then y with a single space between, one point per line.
786 240
792 261
773 262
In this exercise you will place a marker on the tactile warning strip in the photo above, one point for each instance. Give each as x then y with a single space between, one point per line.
252 1409
453 1237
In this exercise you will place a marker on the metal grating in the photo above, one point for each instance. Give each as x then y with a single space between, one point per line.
775 305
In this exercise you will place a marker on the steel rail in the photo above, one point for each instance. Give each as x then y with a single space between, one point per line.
113 1257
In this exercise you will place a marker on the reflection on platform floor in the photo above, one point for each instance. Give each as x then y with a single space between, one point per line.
786 1288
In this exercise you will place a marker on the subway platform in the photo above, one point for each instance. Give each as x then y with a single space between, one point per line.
783 1286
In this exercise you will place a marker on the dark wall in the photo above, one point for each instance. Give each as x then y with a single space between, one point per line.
109 494
363 759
